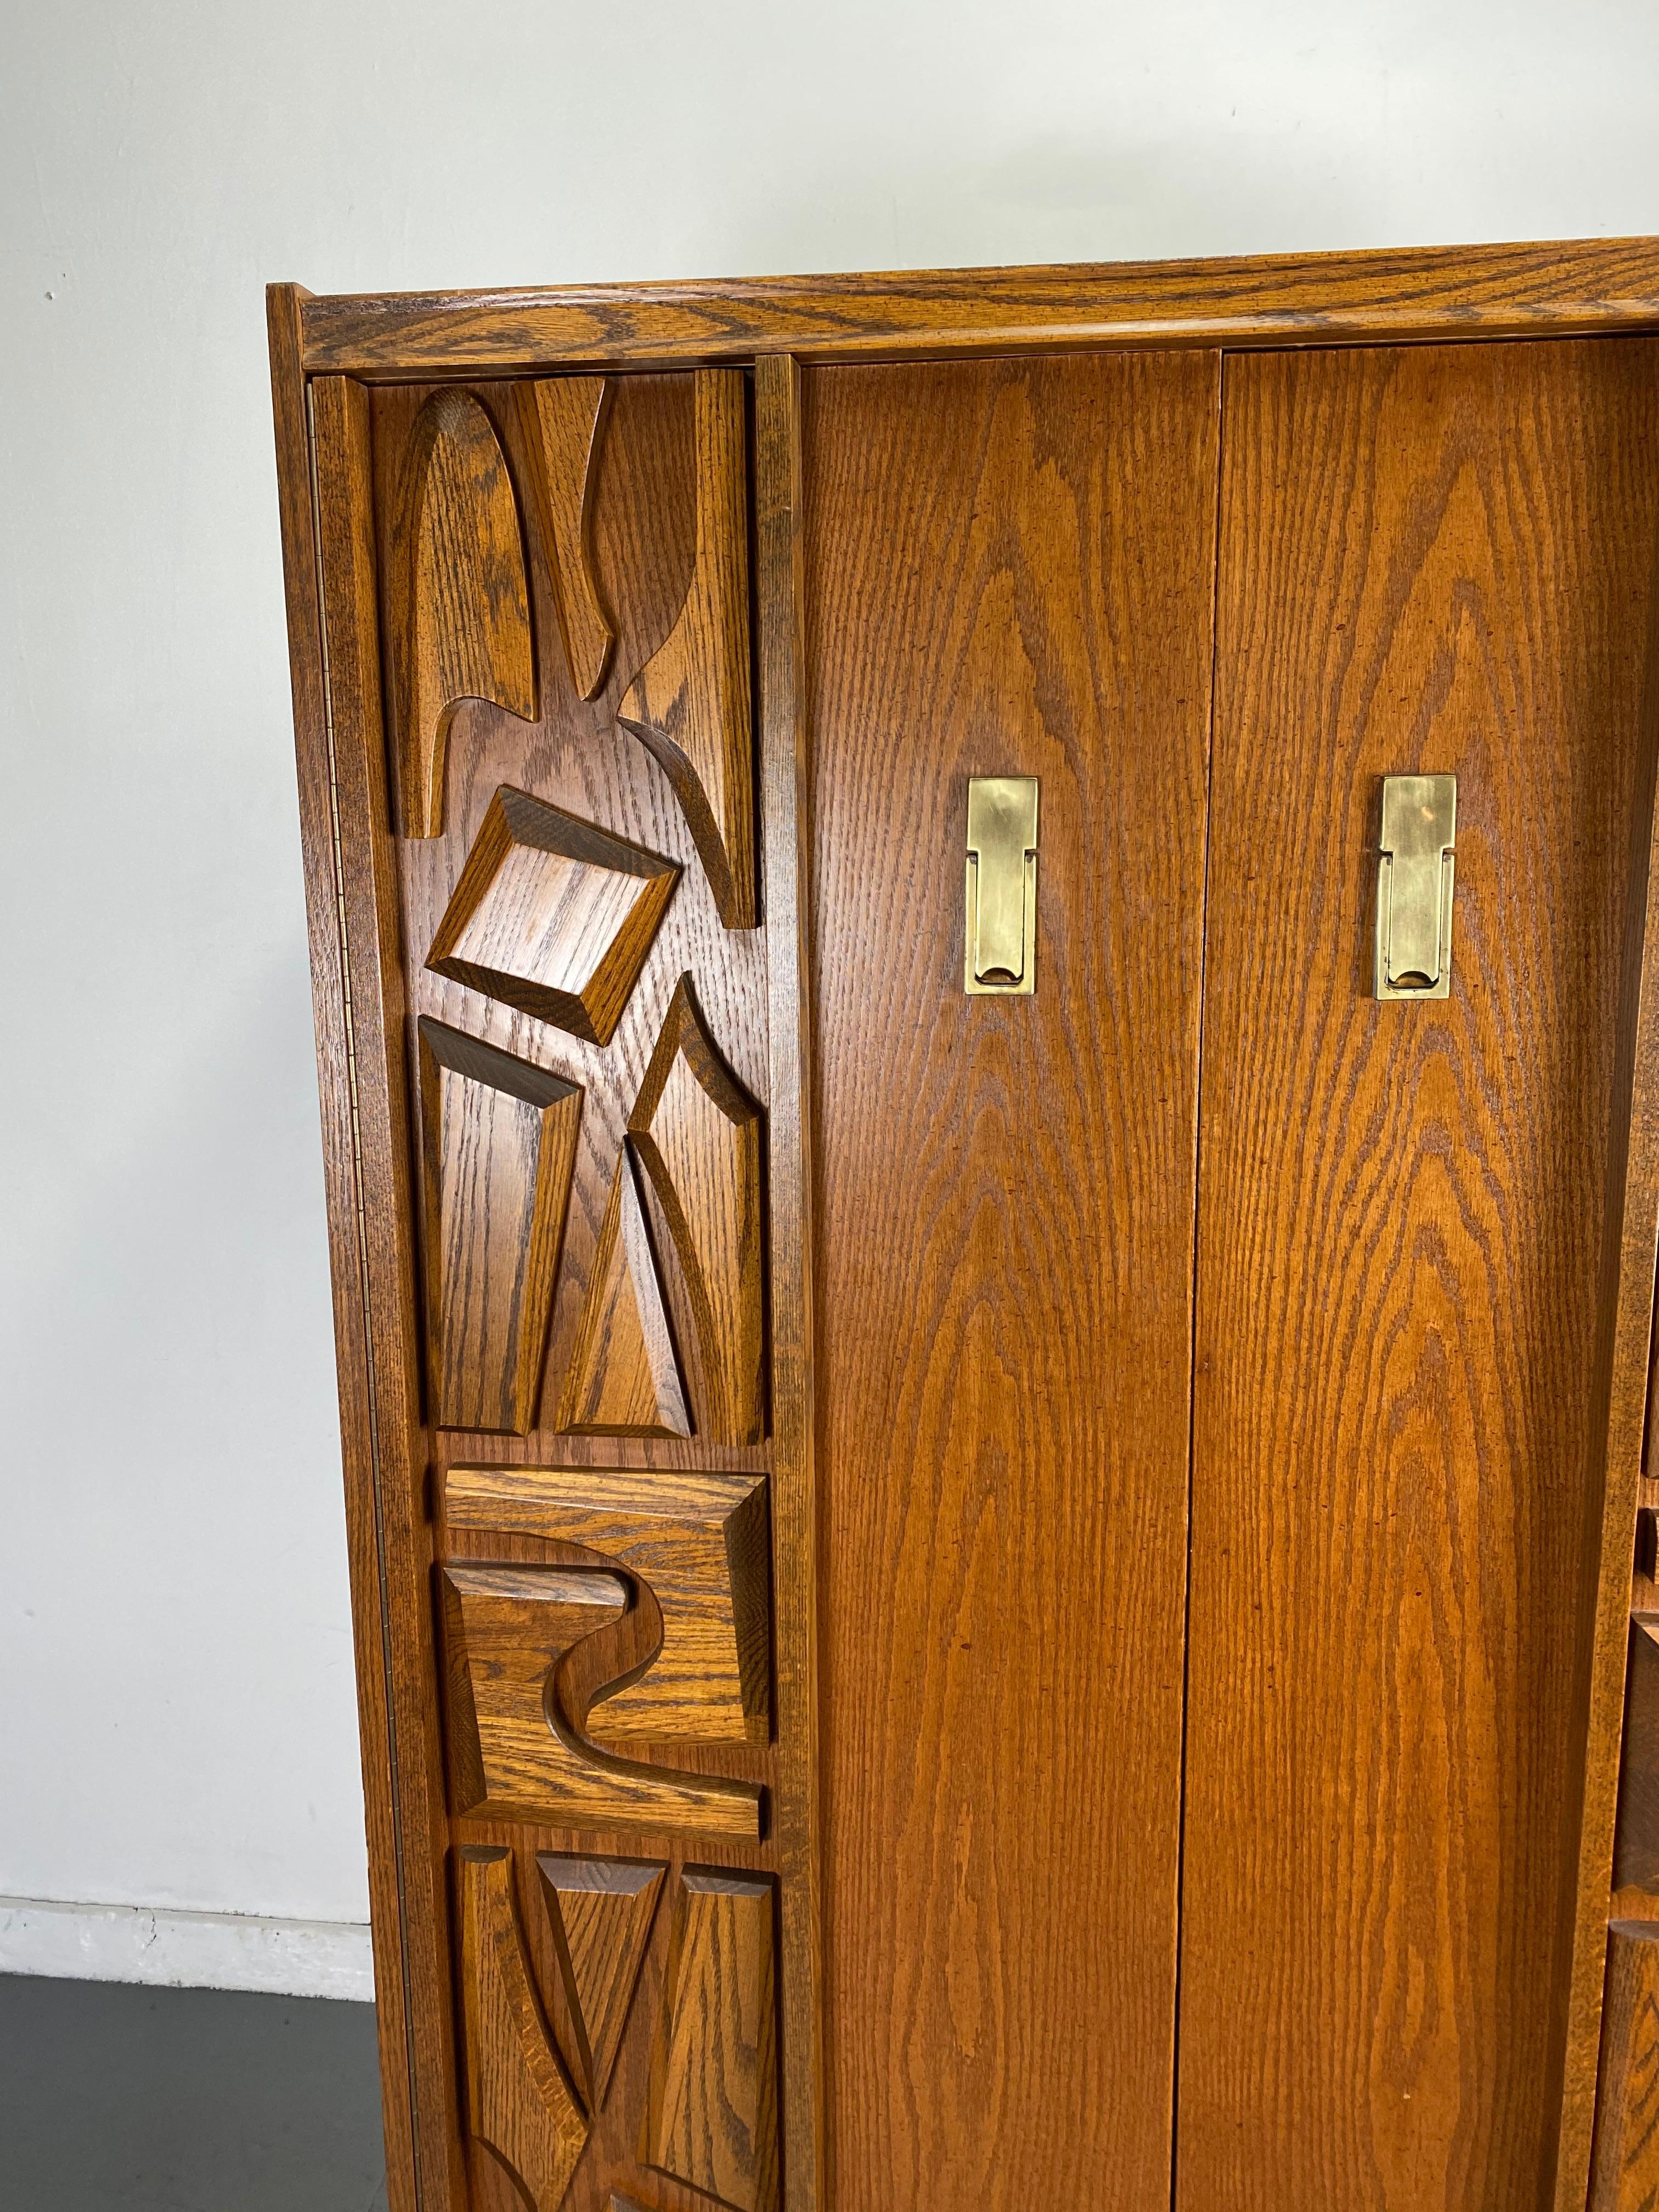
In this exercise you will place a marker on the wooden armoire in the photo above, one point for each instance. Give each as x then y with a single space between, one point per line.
987 996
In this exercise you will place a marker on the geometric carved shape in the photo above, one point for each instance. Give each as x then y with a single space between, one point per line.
553 915
519 2103
713 2113
515 1753
499 1143
1627 2093
462 611
623 1379
698 1541
699 1137
601 1910
561 418
1636 1845
688 706
506 1628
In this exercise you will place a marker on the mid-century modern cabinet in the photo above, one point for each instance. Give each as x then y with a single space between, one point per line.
989 1036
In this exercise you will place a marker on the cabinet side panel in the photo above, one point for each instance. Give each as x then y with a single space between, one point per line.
300 562
1434 561
1009 570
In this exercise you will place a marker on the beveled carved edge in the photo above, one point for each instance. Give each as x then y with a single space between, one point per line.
1551 287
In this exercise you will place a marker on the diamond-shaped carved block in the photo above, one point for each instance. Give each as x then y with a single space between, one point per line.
553 915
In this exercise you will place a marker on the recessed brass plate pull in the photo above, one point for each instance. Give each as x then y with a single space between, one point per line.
1414 886
1002 836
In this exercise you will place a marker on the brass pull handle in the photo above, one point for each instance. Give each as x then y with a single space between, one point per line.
1415 875
1001 918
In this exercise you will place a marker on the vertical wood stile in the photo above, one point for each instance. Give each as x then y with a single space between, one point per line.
384 1437
786 846
1618 1420
299 529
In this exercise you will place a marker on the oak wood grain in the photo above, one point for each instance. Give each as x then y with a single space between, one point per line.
699 1543
786 848
553 916
1627 2172
690 703
624 1376
505 1629
1434 560
499 1139
1008 570
519 2102
1621 1409
1397 294
564 419
1635 1838
698 1137
516 1751
459 585
601 1912
371 1237
713 2113
643 533
364 1548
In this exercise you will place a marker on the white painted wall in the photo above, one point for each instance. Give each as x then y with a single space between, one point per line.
176 1725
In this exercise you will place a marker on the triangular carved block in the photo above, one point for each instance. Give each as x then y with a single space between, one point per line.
690 704
462 615
601 1912
699 1138
519 2103
624 1378
499 1144
562 419
553 915
713 2119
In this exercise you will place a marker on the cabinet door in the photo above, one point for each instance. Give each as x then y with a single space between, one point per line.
1434 561
1009 572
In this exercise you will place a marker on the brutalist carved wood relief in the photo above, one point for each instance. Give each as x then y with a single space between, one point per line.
562 587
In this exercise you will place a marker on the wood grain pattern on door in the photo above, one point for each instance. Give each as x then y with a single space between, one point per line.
1008 571
1432 560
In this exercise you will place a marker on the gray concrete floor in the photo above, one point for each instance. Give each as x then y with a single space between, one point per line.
116 2099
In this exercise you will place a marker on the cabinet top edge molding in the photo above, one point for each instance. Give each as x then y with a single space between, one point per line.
1404 294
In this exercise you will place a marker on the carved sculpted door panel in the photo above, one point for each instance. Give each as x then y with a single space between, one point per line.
969 1597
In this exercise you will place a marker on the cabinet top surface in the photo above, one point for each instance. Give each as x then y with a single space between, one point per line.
1396 295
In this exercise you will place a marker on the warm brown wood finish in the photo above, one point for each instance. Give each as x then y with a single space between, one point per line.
372 1238
766 1371
377 1715
1620 1415
1431 561
1626 2177
698 1544
520 2106
791 1212
1008 570
698 1135
713 2115
464 631
506 1628
1635 1839
601 1912
690 704
516 1752
624 1378
499 1144
564 419
1422 293
553 916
